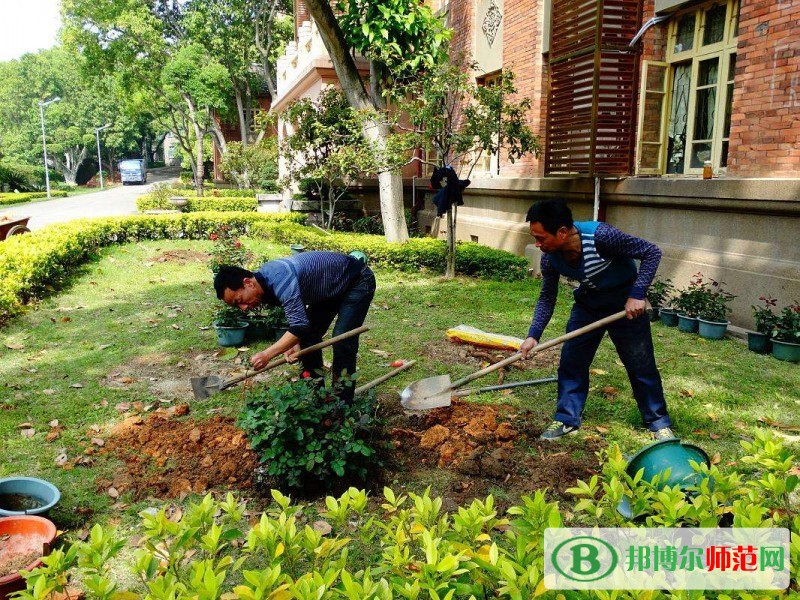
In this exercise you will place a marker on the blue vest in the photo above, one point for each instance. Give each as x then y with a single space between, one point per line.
594 271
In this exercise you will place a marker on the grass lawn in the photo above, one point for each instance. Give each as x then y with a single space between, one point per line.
133 327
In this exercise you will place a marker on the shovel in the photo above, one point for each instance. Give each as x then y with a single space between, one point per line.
203 387
435 392
368 386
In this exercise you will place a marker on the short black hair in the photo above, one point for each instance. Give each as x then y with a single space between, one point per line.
230 277
552 214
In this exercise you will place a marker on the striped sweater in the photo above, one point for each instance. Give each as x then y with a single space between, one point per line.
306 279
606 263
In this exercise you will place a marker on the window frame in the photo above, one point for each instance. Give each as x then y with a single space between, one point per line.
722 51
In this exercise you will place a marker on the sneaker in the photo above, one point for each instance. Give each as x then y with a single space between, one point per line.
665 433
556 430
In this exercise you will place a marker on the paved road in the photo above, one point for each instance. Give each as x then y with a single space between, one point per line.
117 201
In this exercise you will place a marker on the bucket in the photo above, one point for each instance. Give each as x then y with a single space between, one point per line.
27 496
668 316
659 456
24 536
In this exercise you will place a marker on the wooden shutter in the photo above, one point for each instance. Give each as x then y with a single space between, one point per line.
593 81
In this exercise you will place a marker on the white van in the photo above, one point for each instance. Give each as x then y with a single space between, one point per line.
133 170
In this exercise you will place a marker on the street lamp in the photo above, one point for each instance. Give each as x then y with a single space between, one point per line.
44 142
100 160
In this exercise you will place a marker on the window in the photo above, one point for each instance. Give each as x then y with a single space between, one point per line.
685 103
489 163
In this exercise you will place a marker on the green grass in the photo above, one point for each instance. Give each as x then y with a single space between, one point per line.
128 309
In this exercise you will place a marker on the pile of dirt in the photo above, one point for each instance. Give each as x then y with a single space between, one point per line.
181 256
469 437
168 457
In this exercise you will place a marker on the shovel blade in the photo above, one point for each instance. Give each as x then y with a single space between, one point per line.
203 387
425 394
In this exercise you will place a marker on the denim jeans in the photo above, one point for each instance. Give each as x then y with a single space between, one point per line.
350 310
634 344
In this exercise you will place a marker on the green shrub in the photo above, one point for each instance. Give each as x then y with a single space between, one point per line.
35 264
418 253
303 434
159 200
8 199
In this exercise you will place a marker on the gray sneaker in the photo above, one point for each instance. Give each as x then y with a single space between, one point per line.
665 433
557 430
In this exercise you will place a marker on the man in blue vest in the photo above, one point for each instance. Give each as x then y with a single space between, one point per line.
601 258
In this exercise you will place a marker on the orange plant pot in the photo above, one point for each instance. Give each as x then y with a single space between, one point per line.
26 534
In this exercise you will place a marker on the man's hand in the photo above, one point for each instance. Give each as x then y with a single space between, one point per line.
291 354
261 360
635 308
527 346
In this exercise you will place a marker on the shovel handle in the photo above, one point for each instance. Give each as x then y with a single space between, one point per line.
302 352
382 378
539 347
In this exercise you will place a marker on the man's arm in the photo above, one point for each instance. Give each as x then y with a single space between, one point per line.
545 306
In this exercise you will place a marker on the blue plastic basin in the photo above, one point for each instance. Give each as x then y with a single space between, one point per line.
42 492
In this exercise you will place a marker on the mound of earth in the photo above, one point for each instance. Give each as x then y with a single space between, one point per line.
168 457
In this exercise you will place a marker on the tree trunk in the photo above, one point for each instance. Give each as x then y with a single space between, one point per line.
376 129
450 269
198 147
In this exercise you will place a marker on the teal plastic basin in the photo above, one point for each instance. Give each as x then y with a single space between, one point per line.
659 456
42 495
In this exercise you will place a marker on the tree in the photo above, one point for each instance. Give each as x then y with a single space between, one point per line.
384 32
254 165
461 121
327 150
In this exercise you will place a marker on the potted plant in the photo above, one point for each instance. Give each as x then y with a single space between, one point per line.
278 321
229 325
712 319
786 335
689 304
658 294
765 319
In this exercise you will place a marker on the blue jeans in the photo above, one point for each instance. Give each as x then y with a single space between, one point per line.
350 310
634 344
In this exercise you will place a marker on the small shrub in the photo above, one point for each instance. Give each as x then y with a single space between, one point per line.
715 302
8 199
227 316
690 301
302 435
787 325
228 249
159 200
659 292
765 318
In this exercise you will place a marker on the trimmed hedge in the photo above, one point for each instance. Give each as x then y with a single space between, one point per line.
428 253
7 199
35 264
195 204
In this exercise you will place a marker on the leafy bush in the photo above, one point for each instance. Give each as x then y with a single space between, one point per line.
690 301
33 265
231 193
787 325
254 165
374 224
418 253
715 303
408 546
764 317
227 316
273 317
659 292
228 249
303 434
159 200
8 199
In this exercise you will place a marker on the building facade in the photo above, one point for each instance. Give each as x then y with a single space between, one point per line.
633 101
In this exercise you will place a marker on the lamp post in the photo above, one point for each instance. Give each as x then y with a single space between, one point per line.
44 142
99 159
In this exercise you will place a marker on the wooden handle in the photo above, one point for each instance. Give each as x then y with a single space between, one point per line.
539 347
302 352
382 378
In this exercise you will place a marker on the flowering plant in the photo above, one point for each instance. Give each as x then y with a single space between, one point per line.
227 250
787 326
715 301
764 317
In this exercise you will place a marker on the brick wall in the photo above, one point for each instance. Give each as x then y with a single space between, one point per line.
765 124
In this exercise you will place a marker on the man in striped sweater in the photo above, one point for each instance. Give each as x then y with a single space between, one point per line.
313 288
601 258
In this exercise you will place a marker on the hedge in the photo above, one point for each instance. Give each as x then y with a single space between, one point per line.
37 263
7 199
427 253
195 204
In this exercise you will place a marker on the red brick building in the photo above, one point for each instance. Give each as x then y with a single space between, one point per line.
632 99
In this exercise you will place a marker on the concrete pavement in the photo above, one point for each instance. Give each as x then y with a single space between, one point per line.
117 201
